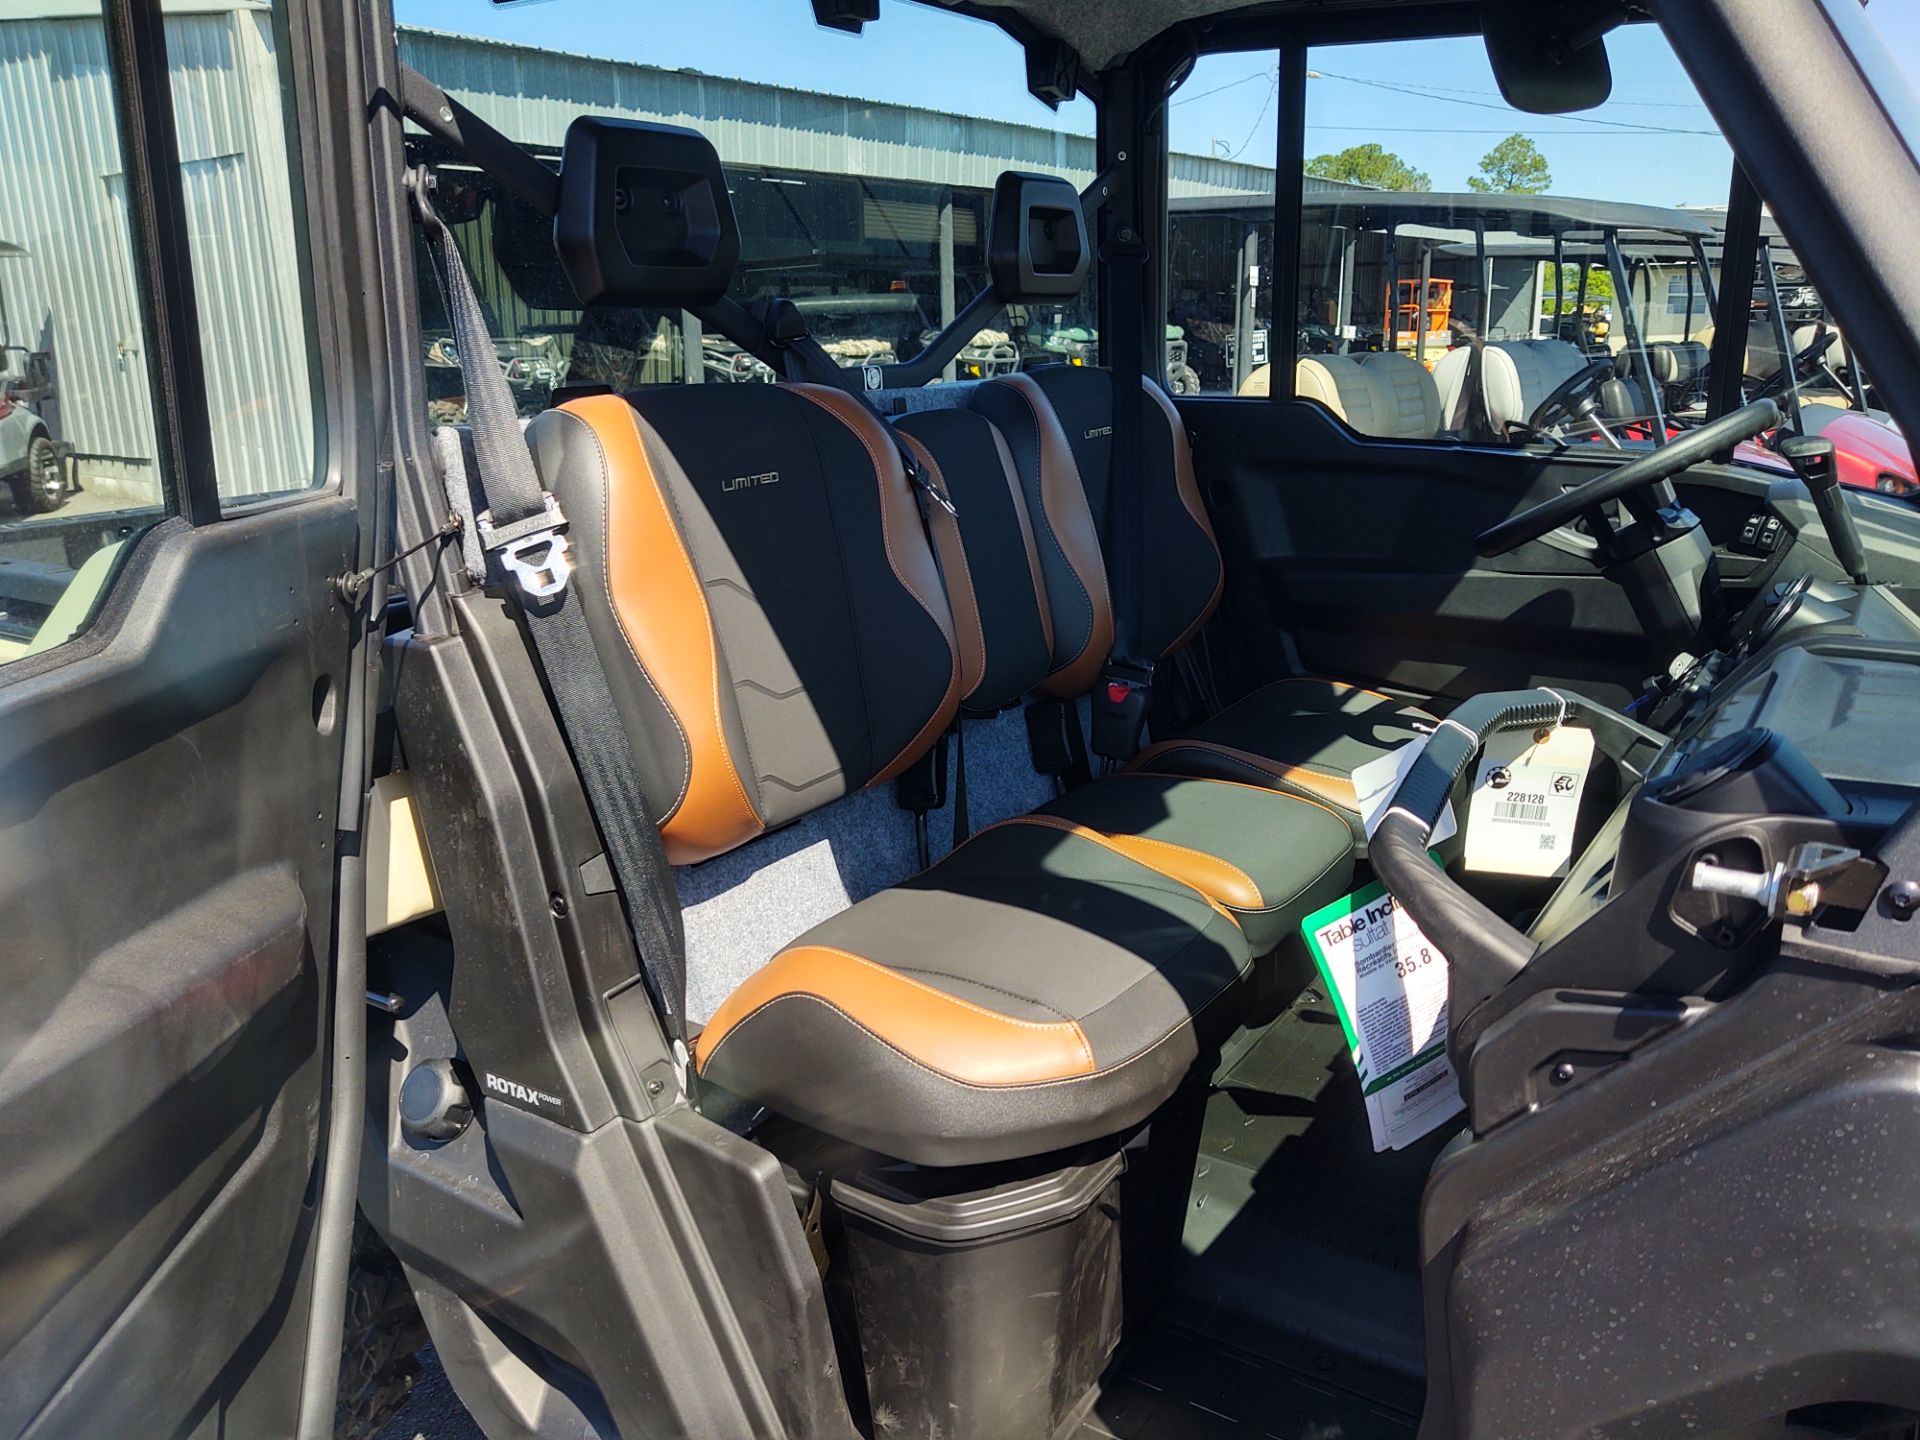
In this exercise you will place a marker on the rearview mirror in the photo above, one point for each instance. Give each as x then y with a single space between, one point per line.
1550 56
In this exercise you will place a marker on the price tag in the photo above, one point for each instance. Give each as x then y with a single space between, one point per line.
1526 797
1388 983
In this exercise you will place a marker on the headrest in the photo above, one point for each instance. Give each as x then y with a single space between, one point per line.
1037 239
643 215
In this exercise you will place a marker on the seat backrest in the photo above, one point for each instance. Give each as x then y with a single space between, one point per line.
989 556
1058 424
1516 376
1383 393
1406 401
760 589
1339 383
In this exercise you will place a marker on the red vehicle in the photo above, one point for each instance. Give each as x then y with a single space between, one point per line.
1869 450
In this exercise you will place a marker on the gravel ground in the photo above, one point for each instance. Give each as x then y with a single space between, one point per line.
433 1411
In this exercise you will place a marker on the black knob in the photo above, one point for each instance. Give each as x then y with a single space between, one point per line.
433 1102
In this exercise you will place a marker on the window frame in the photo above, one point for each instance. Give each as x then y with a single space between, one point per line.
1292 40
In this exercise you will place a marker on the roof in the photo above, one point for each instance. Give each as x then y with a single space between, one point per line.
1103 31
1458 215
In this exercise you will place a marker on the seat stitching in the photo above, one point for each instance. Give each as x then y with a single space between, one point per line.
1160 972
920 1064
1224 864
979 1010
880 476
619 625
996 989
1216 780
1106 842
1341 685
925 455
1046 520
1258 764
672 506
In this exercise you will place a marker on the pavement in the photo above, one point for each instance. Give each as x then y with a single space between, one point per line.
85 503
432 1411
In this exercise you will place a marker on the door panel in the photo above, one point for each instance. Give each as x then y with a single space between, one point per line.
1364 553
167 839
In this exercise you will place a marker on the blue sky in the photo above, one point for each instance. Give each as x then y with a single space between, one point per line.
1442 115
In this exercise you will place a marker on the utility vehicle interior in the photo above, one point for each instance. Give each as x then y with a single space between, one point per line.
779 909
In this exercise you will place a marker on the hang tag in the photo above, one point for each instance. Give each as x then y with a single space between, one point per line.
1526 797
1388 983
1375 782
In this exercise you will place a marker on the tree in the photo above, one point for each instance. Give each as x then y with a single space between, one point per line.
1513 167
1370 164
1599 288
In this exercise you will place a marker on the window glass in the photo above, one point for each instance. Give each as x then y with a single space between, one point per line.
226 64
1434 217
1221 125
860 176
79 470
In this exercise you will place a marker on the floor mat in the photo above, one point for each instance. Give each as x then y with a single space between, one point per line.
1301 1244
1176 1386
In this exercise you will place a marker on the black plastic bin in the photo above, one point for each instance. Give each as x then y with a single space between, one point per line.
986 1313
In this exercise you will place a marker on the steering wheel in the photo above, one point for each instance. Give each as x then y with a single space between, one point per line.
1804 365
1574 395
1484 952
1650 469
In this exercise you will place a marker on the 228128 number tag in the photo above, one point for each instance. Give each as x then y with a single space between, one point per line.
1526 798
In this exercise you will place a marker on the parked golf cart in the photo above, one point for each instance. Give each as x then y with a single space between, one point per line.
1028 908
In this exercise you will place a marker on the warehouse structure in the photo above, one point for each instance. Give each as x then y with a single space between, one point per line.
873 214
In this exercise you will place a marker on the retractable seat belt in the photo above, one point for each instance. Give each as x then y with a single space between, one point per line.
1125 690
522 546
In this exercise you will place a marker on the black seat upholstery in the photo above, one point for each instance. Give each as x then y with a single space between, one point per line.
764 594
1303 736
1269 858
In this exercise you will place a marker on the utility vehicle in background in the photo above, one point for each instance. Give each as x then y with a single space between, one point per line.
1091 899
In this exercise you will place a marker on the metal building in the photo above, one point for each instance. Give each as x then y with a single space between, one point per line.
72 296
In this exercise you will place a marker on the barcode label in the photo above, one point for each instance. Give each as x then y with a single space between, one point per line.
1521 811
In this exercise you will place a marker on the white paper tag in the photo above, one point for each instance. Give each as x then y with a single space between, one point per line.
1388 983
1374 784
1526 797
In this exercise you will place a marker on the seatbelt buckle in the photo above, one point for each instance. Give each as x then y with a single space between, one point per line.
533 551
918 478
1120 704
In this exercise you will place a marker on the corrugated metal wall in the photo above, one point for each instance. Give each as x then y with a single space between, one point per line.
227 111
63 197
532 95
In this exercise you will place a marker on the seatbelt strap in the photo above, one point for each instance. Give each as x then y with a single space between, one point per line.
523 547
962 822
806 360
1472 387
1125 690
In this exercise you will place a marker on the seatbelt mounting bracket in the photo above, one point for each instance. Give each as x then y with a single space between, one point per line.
533 551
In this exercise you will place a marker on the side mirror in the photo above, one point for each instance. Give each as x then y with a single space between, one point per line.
1037 239
1550 56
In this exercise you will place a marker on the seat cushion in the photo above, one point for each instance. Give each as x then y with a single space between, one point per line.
1269 857
1304 735
1037 989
